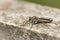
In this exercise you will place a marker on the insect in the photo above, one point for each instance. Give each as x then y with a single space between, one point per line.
36 20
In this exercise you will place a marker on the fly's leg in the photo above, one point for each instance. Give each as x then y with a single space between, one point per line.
31 27
24 23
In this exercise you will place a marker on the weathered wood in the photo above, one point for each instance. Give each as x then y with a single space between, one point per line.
16 18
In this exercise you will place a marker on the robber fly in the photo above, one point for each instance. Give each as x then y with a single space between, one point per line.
36 20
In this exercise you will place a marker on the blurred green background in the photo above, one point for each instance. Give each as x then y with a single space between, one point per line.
52 3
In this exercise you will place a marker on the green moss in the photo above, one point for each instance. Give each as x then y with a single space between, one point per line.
52 3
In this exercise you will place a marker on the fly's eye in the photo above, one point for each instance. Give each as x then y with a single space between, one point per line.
30 18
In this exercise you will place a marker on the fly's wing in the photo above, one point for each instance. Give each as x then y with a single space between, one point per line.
45 20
